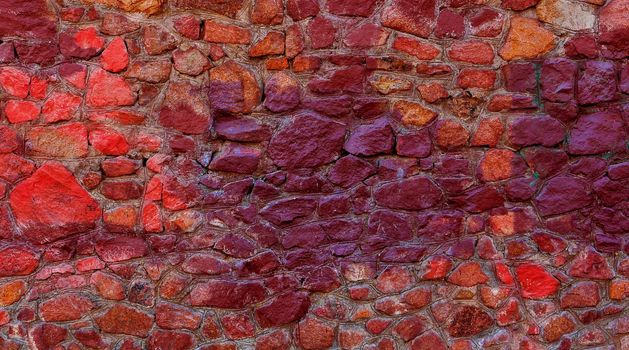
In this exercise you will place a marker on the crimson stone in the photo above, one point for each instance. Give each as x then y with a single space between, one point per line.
592 86
582 294
412 194
284 309
84 44
37 195
535 281
241 129
17 261
307 141
322 32
282 93
46 336
236 158
410 327
410 16
65 307
528 131
121 249
185 109
301 9
160 339
562 194
479 199
468 320
557 79
105 89
122 319
592 265
449 25
205 264
468 274
349 80
485 22
315 334
597 133
27 19
227 294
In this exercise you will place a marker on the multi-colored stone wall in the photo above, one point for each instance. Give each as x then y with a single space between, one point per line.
314 174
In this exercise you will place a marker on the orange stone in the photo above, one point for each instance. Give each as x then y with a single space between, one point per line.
414 114
488 132
224 33
11 292
619 289
500 164
272 44
148 7
526 39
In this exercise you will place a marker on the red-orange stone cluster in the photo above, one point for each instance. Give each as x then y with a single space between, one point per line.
314 174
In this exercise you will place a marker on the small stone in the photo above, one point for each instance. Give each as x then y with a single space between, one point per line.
557 79
271 44
557 326
593 86
117 24
414 114
526 39
369 140
160 339
307 141
468 320
613 28
157 40
188 26
191 61
314 334
108 141
185 108
485 22
302 9
415 193
154 71
216 32
529 131
283 309
450 134
518 5
476 52
115 57
65 307
409 16
238 326
591 265
349 171
82 44
582 294
416 145
121 249
21 111
14 81
282 93
394 280
535 281
476 78
419 49
121 319
366 36
105 89
449 25
468 274
233 88
410 327
227 294
268 12
322 33
147 7
11 292
236 158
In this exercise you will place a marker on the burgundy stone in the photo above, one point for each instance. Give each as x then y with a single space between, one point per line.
369 140
411 194
597 133
557 79
562 194
593 85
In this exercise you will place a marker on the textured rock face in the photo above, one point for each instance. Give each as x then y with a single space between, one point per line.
314 174
51 204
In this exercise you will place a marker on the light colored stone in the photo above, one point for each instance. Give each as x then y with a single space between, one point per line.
147 7
566 14
526 39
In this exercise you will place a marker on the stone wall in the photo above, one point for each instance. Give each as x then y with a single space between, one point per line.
314 174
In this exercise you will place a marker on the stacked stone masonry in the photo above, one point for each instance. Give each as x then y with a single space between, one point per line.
314 174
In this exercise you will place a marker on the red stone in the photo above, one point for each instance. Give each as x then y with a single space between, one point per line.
108 141
227 294
529 131
115 57
301 9
394 280
21 111
17 261
591 87
37 195
65 307
421 50
14 81
591 265
476 78
410 16
322 33
271 44
105 89
535 281
185 108
477 52
284 309
122 319
216 32
449 25
84 43
485 22
429 340
410 327
370 139
562 194
160 340
121 249
468 320
366 36
188 26
314 334
60 106
597 133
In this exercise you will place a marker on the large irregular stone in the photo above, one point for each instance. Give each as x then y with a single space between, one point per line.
597 133
227 294
65 307
567 14
526 39
370 139
349 171
121 248
410 16
562 194
51 205
185 108
529 131
557 79
590 264
81 44
307 141
282 93
65 141
105 89
233 88
284 309
122 319
594 84
411 194
17 261
468 320
30 19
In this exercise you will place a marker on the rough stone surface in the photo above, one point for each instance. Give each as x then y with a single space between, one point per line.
314 174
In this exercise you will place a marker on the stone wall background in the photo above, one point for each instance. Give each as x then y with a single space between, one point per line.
347 174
